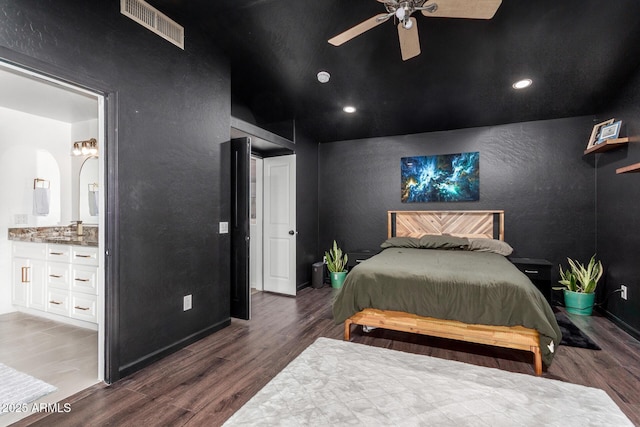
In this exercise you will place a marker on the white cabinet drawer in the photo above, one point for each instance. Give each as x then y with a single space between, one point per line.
58 275
29 250
84 255
84 279
83 307
59 253
58 302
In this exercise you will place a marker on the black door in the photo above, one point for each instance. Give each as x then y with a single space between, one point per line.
240 292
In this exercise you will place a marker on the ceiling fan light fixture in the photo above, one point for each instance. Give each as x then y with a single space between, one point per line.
350 109
521 84
400 13
323 76
407 24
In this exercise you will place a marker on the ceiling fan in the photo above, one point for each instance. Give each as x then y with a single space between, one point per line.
407 27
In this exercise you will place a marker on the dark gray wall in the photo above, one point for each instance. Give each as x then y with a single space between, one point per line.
173 113
618 219
534 171
307 206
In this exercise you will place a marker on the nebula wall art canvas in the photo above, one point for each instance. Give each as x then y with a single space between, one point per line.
441 178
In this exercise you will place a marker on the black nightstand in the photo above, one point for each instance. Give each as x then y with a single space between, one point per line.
358 256
538 271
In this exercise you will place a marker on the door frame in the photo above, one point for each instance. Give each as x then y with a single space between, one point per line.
256 270
264 144
109 361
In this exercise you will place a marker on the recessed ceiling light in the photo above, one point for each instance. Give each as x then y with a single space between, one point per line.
349 109
521 84
323 76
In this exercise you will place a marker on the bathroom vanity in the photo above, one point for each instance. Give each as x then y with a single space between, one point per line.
55 274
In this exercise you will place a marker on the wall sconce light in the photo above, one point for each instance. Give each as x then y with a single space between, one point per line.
85 148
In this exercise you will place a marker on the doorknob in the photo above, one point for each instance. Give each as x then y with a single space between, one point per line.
291 232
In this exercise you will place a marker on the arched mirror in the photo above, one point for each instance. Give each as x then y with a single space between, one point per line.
89 191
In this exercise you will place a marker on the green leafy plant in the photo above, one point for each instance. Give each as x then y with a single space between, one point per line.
336 260
578 278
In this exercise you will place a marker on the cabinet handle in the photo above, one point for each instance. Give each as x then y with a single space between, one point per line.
531 271
57 276
77 307
25 275
55 302
78 279
56 253
83 256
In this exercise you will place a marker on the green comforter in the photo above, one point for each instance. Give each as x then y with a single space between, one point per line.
467 286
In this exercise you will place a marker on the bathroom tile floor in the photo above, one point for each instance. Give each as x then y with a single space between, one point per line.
62 355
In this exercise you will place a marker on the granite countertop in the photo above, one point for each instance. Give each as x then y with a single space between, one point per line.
55 235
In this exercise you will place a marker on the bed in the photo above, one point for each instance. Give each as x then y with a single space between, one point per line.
445 274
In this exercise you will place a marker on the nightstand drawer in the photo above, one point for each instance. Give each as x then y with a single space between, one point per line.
356 257
539 269
536 272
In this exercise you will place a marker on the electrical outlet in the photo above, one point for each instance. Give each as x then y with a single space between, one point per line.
623 294
20 219
186 302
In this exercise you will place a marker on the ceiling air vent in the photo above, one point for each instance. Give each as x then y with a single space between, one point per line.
151 18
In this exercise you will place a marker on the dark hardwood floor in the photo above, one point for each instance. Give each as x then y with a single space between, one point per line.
208 381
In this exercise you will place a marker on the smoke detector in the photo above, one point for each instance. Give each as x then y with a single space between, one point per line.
323 77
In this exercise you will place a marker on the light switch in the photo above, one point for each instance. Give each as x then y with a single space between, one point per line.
224 227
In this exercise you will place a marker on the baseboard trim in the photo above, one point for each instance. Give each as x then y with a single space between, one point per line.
621 324
150 358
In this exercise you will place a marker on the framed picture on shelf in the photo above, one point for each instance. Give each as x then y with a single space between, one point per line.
609 132
597 131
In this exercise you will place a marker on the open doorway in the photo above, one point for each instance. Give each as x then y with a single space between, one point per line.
41 120
255 224
270 180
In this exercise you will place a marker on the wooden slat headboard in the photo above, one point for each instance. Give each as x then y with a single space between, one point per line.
488 224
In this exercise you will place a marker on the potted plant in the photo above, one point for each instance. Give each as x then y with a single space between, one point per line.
337 265
580 285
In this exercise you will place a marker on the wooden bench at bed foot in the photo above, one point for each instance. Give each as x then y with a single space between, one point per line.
515 337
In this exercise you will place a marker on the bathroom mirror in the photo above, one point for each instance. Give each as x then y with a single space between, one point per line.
89 192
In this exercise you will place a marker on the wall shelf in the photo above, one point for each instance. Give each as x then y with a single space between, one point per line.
634 168
608 144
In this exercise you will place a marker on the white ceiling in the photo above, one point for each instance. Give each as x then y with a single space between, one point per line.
32 95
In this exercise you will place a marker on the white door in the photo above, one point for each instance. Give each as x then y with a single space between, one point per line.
280 224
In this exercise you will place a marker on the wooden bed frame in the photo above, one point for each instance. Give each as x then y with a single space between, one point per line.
463 224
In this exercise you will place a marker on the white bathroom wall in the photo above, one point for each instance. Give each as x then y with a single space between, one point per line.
30 147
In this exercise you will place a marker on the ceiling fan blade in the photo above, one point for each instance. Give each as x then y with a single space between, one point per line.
469 9
409 40
359 29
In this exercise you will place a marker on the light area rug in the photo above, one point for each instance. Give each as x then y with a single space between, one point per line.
334 383
18 388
